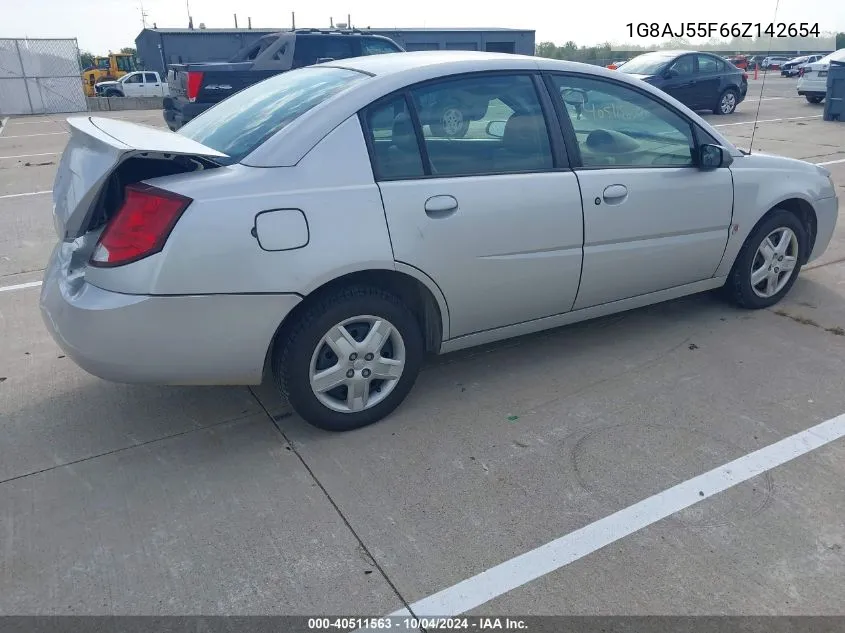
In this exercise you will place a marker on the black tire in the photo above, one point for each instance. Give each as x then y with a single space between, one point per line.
813 99
718 108
293 353
439 127
113 93
738 285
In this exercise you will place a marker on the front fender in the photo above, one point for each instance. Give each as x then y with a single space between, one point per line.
762 183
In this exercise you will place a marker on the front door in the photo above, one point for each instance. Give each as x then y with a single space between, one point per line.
490 214
133 85
652 219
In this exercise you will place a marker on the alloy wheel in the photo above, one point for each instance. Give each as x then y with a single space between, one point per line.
774 262
357 363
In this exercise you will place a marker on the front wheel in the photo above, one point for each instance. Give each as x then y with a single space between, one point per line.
769 261
813 99
113 93
727 102
350 359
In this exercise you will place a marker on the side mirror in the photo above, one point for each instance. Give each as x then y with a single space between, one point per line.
496 129
713 157
671 73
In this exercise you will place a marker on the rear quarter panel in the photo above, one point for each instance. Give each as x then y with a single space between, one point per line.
212 250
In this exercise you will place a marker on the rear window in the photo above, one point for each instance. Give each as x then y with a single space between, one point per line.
239 124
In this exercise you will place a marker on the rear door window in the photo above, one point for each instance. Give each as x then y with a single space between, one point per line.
309 49
708 65
245 120
376 46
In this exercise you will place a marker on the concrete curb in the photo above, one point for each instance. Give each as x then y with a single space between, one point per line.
109 104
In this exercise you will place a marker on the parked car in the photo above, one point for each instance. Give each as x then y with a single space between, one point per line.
773 63
311 228
740 61
812 78
793 67
701 81
198 86
138 84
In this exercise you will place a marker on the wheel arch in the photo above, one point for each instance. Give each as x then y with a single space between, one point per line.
412 286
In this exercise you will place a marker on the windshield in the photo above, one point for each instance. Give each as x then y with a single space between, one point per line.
239 124
648 64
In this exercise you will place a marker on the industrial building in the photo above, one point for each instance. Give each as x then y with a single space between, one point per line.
158 48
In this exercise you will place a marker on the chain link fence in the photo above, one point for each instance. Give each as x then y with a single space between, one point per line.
40 76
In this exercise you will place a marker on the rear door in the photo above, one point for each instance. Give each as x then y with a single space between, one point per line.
493 217
708 84
652 219
152 85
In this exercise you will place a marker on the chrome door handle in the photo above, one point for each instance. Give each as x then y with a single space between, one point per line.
614 194
441 206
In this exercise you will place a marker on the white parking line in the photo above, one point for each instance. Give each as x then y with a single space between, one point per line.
31 155
31 135
23 195
791 118
3 123
30 284
832 162
496 581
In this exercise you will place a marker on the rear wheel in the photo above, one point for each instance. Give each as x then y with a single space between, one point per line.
769 262
350 359
813 99
727 102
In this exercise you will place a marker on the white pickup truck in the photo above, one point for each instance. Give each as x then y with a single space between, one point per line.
142 83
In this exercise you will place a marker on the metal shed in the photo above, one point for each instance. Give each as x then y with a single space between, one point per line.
158 48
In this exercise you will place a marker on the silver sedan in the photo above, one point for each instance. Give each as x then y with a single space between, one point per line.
331 225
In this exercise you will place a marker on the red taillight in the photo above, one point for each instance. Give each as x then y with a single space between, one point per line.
745 76
141 226
194 84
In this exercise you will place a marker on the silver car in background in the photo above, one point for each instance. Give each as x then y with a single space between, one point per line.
329 226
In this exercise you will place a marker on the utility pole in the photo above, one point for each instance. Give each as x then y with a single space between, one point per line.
292 21
236 20
190 19
143 15
249 22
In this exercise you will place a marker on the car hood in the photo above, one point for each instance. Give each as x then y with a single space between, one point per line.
107 83
639 76
773 162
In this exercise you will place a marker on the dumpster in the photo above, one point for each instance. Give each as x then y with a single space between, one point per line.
834 101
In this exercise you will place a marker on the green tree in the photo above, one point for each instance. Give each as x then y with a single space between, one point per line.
128 50
545 49
86 59
840 40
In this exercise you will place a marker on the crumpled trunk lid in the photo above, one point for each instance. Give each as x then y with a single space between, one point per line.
97 147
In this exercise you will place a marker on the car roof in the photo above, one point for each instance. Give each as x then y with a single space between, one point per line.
378 65
391 72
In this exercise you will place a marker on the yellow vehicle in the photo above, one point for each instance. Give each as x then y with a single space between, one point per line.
107 69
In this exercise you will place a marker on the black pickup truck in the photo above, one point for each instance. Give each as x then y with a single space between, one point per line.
195 87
